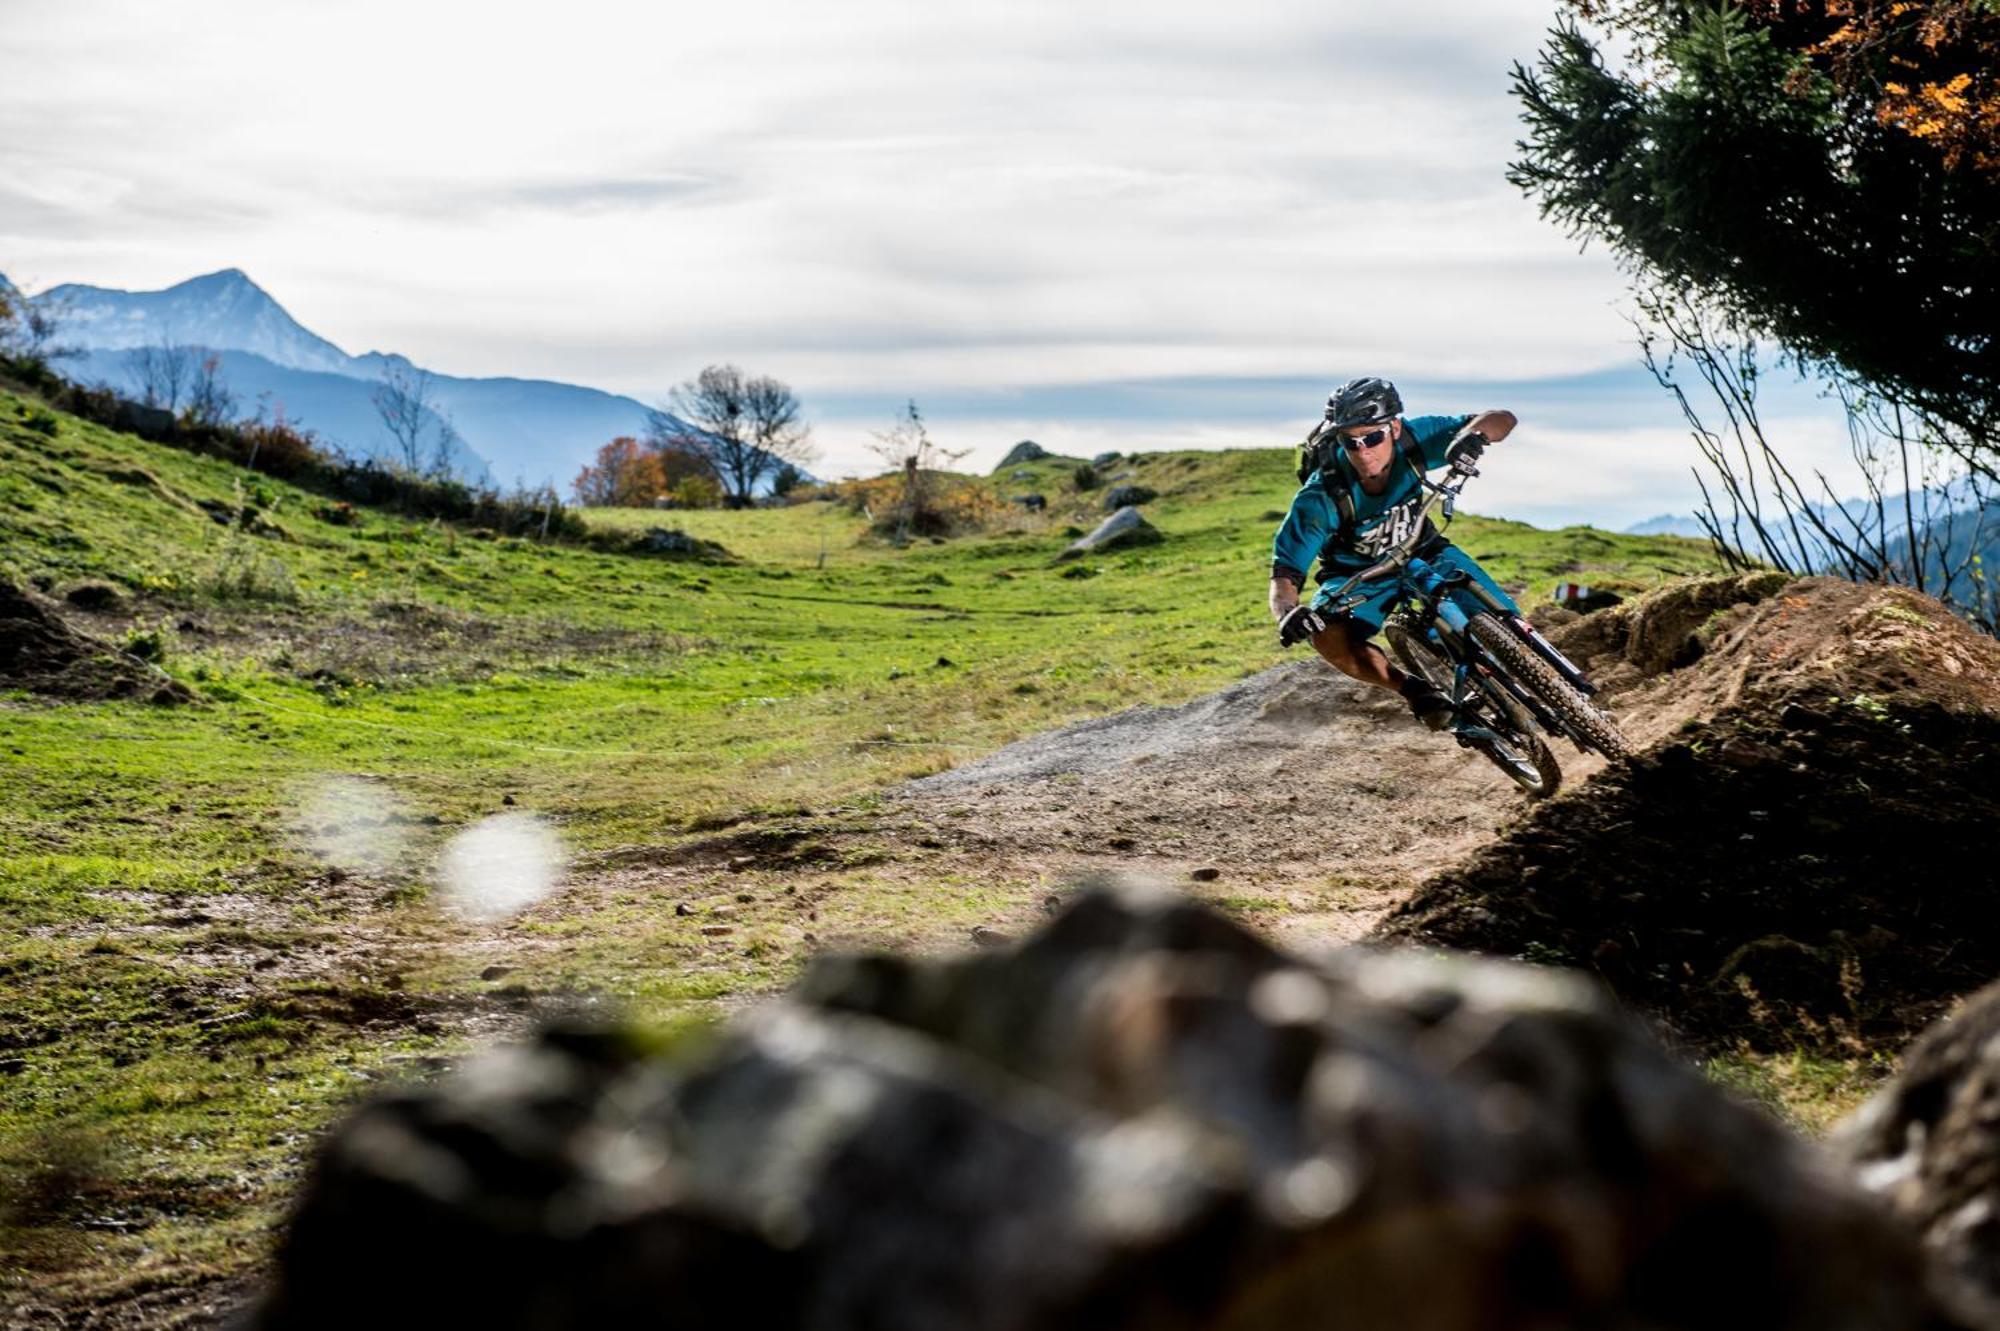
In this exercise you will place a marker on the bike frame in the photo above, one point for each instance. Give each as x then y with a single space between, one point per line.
1429 588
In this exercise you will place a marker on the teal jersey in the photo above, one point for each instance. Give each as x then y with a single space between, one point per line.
1311 530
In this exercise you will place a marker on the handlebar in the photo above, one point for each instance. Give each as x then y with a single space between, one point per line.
1443 496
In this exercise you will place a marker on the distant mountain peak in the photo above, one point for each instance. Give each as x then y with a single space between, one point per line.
529 429
224 310
223 278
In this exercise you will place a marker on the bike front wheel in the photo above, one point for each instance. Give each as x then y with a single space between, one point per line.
1584 719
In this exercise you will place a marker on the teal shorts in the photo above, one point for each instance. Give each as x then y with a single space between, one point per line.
1371 612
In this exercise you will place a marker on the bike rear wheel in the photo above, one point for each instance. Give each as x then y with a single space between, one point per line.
1570 705
1516 749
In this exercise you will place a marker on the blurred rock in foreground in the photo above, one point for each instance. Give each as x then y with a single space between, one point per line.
1142 1116
1929 1144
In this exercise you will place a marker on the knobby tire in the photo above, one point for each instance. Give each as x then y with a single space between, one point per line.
1557 694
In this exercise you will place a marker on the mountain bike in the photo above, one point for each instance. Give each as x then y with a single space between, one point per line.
1509 686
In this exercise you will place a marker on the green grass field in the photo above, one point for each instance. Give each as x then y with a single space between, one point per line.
193 990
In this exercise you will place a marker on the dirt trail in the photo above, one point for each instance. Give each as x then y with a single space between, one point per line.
1306 804
1297 787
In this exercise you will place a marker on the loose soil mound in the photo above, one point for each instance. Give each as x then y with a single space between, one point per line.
1806 854
40 653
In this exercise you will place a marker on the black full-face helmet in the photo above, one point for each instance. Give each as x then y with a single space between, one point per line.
1363 402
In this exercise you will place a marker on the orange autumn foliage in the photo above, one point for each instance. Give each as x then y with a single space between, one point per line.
1929 68
626 474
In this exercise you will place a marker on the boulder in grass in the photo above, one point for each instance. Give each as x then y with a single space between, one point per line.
675 543
1122 496
1105 459
1034 503
1025 451
1123 528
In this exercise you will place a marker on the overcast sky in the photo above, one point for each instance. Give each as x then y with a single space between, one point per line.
992 206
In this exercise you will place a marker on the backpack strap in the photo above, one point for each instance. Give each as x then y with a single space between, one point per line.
1412 451
1341 491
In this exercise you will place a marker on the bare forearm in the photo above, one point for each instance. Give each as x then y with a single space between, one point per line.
1284 596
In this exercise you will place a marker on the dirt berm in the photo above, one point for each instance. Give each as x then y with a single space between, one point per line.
1804 854
42 654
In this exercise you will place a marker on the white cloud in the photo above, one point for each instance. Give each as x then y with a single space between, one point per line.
759 179
868 198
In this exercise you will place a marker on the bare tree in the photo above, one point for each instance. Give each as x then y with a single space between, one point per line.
745 427
164 373
1924 517
210 401
422 439
907 446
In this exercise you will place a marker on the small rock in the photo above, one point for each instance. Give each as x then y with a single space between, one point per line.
1125 496
495 972
393 982
984 937
1124 528
1795 717
507 799
738 863
1205 875
682 909
745 898
1737 751
717 930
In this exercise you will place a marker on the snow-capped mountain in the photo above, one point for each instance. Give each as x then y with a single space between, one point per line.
224 311
526 430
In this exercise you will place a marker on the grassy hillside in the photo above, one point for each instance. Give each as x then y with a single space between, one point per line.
194 989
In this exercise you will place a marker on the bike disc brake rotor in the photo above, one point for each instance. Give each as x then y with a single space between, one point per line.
1518 765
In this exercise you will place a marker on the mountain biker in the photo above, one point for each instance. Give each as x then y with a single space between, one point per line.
1360 498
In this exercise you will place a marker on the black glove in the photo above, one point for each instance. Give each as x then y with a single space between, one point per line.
1463 452
1300 623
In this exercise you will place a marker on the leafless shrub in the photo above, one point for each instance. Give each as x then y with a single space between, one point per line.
1929 505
